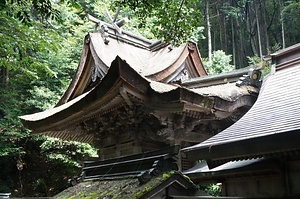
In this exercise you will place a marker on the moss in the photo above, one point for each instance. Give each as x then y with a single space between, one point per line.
102 194
78 195
143 191
125 188
153 183
167 175
116 195
92 195
188 179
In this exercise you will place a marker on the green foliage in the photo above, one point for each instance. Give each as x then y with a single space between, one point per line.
174 21
11 129
42 98
220 63
27 11
47 164
290 16
21 48
40 57
254 60
274 48
197 35
67 151
212 189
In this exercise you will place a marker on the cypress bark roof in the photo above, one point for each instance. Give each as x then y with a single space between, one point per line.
130 79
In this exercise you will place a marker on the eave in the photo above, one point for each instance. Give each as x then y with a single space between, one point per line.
265 146
240 170
84 105
124 87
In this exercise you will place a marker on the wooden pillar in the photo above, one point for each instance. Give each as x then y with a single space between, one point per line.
174 142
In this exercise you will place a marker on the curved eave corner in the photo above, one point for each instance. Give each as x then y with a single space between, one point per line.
50 119
79 74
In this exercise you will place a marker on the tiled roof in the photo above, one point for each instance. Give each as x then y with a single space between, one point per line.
276 111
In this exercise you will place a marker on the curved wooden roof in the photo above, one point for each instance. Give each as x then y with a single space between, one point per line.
123 80
120 87
163 64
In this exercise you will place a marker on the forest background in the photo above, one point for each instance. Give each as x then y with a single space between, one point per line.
40 46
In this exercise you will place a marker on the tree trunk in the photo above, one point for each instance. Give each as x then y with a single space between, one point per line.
4 77
240 53
282 34
282 26
233 43
221 33
264 13
225 37
250 30
208 31
258 31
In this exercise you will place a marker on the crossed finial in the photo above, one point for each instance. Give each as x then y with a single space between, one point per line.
103 29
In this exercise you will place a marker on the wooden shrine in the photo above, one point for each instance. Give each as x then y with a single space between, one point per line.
131 95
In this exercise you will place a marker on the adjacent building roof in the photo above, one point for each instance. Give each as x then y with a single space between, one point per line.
271 126
236 169
141 166
217 79
162 186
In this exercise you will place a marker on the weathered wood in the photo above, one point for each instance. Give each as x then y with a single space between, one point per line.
154 162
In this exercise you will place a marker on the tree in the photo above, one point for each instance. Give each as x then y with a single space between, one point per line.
208 30
38 59
174 21
21 44
258 32
220 63
290 23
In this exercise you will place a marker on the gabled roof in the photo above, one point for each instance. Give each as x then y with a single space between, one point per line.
271 126
154 60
